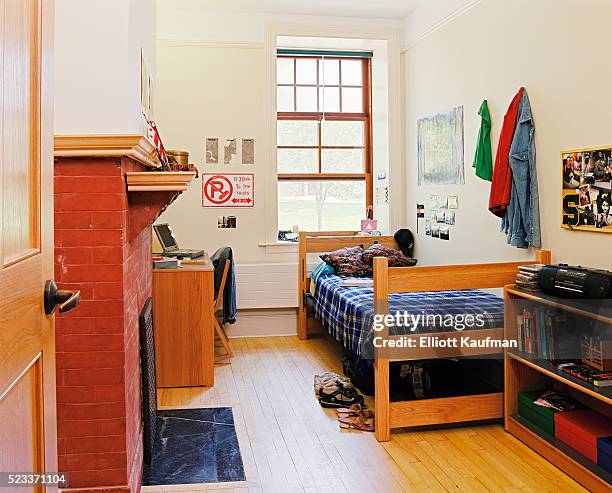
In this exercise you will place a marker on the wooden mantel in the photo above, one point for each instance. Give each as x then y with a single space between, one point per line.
136 147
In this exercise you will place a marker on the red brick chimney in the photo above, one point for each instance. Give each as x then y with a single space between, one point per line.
102 248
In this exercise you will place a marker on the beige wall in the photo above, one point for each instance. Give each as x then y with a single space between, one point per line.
97 64
213 73
559 50
214 91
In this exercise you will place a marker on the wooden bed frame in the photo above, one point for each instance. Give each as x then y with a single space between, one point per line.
387 280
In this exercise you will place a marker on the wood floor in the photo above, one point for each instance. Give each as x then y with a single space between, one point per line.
289 443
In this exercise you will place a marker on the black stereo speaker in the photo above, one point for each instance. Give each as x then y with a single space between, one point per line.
575 282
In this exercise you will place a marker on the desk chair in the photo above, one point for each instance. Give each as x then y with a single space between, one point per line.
225 343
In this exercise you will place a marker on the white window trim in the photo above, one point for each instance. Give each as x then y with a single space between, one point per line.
397 174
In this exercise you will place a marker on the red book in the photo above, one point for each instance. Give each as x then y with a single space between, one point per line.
581 429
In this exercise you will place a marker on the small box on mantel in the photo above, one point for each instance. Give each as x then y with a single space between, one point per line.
582 429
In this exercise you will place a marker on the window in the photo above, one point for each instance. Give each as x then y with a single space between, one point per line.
323 141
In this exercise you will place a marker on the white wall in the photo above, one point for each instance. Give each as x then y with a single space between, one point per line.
206 91
97 64
213 81
558 50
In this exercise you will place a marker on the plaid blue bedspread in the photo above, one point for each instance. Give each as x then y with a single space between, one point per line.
346 312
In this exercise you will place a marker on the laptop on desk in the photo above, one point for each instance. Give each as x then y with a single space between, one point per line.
170 245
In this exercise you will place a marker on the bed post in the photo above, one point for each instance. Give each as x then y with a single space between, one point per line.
543 257
381 365
301 317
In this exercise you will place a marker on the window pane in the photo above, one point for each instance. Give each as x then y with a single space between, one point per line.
306 99
321 205
284 99
341 133
284 70
352 72
298 160
306 71
331 72
342 160
296 133
331 99
352 100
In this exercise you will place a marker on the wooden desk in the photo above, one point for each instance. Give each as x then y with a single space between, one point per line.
184 325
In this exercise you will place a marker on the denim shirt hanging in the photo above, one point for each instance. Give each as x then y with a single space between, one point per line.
522 220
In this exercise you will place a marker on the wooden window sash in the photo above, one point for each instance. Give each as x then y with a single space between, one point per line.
318 116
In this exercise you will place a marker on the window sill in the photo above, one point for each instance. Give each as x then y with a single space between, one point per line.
277 243
279 246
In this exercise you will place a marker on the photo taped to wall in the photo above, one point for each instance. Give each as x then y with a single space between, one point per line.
248 151
604 210
572 170
597 168
585 195
212 150
230 152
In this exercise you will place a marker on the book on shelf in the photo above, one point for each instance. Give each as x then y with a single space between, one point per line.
548 334
559 401
587 373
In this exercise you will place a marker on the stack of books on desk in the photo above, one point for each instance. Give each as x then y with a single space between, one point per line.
165 263
527 277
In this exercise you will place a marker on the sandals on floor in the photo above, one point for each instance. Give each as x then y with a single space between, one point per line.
327 378
360 422
354 410
337 395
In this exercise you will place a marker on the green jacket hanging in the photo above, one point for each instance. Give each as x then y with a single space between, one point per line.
483 160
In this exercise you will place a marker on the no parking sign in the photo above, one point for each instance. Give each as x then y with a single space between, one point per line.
228 190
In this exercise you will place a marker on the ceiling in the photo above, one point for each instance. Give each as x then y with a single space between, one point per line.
385 9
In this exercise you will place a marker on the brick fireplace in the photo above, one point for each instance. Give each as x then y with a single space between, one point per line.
102 248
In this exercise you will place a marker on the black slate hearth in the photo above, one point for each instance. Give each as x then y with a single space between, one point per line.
195 446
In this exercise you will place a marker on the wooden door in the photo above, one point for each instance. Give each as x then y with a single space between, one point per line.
27 346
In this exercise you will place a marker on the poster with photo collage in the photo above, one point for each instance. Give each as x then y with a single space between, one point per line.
587 189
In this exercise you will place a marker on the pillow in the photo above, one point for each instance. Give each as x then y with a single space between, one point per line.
321 270
347 262
396 258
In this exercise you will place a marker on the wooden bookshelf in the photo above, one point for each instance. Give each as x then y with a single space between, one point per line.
524 372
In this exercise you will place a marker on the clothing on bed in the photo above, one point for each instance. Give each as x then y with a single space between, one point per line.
323 269
347 262
346 312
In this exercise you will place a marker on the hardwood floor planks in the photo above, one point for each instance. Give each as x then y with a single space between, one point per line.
289 443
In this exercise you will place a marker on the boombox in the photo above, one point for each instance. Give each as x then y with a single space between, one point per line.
575 282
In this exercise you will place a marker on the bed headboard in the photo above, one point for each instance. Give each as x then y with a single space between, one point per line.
322 242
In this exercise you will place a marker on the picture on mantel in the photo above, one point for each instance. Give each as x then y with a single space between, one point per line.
212 150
